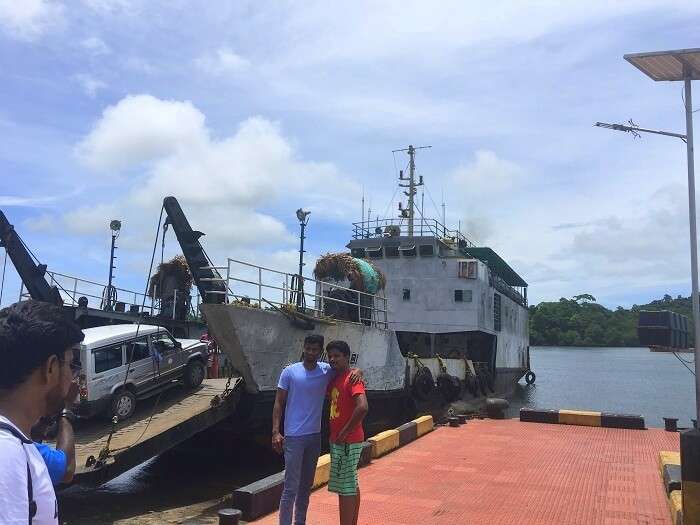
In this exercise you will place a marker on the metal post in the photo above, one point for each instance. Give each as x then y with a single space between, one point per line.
300 284
260 287
693 231
108 292
174 302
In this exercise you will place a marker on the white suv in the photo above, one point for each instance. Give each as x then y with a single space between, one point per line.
125 362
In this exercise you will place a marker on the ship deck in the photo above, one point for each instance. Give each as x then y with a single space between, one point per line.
159 423
507 471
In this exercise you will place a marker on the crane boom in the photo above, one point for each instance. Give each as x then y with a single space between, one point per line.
211 286
31 273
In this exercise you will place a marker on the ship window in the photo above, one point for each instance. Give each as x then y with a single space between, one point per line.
426 250
406 294
408 251
497 312
468 269
391 251
463 296
374 253
358 252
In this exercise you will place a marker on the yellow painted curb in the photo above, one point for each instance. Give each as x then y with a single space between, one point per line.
579 417
668 458
675 503
384 442
323 471
424 425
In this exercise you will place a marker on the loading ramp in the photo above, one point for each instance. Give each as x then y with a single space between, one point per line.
157 425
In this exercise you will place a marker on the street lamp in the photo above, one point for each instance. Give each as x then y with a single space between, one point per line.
303 217
674 66
115 227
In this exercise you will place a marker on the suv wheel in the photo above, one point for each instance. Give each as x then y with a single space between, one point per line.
123 404
194 373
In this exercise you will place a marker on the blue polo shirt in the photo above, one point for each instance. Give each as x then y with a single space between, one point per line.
56 461
306 391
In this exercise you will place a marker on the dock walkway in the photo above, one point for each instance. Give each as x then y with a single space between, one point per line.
179 414
507 471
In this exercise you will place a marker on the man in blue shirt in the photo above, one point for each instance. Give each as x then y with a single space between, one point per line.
300 394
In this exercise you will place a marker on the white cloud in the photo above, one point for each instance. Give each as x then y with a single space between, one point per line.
29 19
95 46
226 186
141 128
223 61
487 174
90 84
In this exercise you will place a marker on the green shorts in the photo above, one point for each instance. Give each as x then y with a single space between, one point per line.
344 460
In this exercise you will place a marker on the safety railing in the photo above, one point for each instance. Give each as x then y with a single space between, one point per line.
399 227
266 288
76 291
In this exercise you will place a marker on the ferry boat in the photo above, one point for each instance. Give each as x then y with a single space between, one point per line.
447 325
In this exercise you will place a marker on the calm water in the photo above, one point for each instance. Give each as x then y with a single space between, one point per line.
623 380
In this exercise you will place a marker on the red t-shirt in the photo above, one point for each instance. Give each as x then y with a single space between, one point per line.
342 394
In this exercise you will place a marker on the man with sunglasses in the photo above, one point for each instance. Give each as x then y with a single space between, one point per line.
38 364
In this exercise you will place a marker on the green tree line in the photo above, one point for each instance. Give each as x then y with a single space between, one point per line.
581 321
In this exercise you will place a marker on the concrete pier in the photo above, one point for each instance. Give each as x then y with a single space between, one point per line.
508 471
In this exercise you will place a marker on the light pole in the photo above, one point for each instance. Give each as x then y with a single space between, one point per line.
675 66
303 217
115 227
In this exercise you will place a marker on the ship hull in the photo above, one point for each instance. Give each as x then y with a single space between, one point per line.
260 343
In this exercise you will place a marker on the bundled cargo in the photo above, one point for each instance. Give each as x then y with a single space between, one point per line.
363 275
171 275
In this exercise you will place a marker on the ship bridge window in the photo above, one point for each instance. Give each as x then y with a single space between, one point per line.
358 253
391 251
426 250
408 251
374 253
468 269
406 294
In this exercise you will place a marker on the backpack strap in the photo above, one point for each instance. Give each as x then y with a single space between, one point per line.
30 489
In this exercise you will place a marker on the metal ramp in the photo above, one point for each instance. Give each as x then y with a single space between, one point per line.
155 428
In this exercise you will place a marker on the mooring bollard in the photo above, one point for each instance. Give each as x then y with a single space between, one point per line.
671 424
690 476
453 421
229 516
462 418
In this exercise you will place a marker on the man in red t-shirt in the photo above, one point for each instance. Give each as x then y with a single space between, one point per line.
348 409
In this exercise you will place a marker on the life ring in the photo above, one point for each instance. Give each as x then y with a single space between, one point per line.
530 377
423 383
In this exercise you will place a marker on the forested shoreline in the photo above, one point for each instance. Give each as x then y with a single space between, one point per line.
581 321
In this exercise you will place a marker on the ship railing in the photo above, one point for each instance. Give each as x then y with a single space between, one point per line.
262 287
72 289
421 228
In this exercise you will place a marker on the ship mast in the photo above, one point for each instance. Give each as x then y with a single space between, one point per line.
409 212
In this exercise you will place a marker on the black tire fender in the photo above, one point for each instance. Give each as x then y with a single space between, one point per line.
423 383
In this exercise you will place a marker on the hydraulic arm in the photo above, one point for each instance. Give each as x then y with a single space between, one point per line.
211 286
32 274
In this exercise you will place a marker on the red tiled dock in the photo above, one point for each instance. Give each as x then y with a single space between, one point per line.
510 472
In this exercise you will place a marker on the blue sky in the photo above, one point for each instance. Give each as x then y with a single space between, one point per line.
246 112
